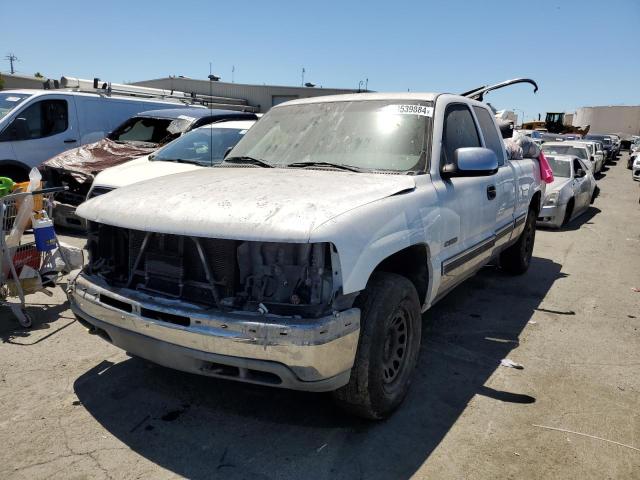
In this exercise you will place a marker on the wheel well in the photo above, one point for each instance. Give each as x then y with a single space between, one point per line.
16 171
412 263
536 202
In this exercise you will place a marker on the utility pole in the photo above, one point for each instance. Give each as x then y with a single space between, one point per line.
233 72
302 82
12 58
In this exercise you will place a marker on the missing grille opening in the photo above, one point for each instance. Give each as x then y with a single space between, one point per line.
112 302
165 317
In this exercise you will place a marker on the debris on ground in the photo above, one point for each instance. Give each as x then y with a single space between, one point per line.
505 362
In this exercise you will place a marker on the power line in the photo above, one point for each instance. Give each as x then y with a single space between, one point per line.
12 58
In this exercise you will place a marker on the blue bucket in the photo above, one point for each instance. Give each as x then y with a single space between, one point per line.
44 234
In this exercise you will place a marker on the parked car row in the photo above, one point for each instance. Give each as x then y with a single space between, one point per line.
300 250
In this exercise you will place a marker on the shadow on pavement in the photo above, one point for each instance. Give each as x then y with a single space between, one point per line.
585 218
201 427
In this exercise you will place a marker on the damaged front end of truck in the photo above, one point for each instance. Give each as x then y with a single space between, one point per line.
262 312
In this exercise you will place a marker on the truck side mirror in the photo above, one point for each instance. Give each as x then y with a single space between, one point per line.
20 129
580 173
227 152
471 162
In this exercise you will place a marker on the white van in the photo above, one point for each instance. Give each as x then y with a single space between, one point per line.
35 125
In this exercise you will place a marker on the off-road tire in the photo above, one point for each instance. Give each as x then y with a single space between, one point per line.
377 386
596 192
517 258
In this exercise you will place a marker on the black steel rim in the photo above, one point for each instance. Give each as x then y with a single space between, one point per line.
395 347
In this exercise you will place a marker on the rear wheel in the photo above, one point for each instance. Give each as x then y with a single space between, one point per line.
517 258
388 348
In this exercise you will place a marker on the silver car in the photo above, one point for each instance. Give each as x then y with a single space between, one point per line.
572 191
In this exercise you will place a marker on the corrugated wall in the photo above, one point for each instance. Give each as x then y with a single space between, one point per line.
622 120
256 95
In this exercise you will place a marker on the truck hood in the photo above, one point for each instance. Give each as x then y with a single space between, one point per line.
242 203
139 170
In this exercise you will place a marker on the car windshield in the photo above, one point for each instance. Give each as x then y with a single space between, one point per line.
153 131
202 146
8 101
601 138
579 152
560 168
369 135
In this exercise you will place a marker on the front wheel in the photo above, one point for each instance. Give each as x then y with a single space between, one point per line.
517 258
388 348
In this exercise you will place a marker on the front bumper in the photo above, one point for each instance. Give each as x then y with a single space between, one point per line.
64 215
302 354
636 174
551 216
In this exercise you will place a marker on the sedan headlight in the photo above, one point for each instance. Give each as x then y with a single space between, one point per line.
551 200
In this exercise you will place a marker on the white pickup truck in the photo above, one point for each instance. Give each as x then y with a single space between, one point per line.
306 259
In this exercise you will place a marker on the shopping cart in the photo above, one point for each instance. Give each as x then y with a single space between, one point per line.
18 251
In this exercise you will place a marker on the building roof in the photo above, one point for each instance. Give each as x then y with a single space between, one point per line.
256 85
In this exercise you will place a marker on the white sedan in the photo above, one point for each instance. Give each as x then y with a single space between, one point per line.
635 169
203 147
575 148
572 191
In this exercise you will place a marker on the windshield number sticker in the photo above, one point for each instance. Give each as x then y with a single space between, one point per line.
12 99
410 110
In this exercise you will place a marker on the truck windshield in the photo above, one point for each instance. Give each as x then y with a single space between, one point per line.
365 134
8 101
560 168
202 146
153 131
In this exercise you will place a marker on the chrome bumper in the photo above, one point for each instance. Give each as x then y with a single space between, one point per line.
303 354
551 216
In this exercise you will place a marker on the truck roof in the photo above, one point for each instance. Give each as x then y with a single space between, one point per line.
352 97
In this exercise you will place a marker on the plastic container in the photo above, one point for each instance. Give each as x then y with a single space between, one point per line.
37 199
44 234
6 186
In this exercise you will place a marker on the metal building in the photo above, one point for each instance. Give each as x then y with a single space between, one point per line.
15 81
261 96
623 120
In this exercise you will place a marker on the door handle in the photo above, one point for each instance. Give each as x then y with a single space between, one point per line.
491 192
70 140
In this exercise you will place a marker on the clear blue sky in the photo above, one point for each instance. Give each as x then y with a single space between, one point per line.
580 52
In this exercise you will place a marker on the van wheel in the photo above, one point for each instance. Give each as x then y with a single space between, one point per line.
15 173
517 258
388 348
594 195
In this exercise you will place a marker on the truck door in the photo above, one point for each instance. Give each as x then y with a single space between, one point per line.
45 127
468 204
505 178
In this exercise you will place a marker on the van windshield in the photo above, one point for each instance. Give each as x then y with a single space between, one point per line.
8 101
363 134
